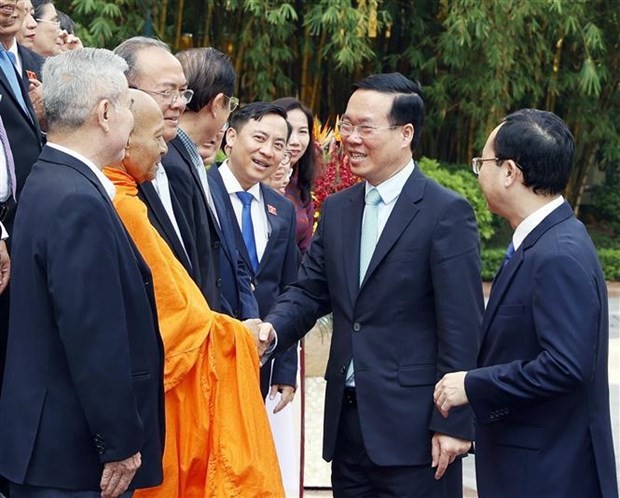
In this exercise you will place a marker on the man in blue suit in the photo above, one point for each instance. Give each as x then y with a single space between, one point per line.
396 259
540 393
257 138
81 413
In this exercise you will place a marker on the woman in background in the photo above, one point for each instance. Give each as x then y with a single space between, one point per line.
304 161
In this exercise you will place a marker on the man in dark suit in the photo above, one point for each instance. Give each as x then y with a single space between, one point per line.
257 139
81 413
210 74
540 393
154 70
396 260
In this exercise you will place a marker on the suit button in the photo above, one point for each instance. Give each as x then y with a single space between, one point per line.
218 282
343 369
357 327
216 244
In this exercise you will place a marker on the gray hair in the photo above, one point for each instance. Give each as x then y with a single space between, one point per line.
76 81
129 50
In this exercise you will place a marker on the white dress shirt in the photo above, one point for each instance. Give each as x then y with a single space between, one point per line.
3 233
162 187
5 189
106 183
533 220
261 225
18 59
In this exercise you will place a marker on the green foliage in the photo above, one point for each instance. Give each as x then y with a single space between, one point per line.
606 202
610 261
491 261
463 181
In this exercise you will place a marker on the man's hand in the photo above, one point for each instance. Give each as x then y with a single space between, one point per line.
288 393
117 476
263 332
445 449
5 266
450 392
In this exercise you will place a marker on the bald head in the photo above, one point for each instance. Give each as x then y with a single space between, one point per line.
146 142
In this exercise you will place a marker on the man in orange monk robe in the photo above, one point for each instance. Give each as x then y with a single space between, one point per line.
218 442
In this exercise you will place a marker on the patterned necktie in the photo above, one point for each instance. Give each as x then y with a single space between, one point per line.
11 75
370 230
10 164
247 227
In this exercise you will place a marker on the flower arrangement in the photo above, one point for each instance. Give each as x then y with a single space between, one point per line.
336 172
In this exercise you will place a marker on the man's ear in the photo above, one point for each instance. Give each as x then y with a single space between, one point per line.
231 136
103 110
513 173
217 104
408 132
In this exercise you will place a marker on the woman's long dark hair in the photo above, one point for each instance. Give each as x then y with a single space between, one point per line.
306 166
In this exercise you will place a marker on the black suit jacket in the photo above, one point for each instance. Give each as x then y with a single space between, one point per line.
276 270
415 317
84 373
184 251
31 63
179 169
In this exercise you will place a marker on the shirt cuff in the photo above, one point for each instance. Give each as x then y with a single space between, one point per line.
3 233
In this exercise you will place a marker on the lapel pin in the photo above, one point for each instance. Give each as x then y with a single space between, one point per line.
272 210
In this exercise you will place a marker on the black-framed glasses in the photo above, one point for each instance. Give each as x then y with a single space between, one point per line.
233 102
347 129
476 163
170 96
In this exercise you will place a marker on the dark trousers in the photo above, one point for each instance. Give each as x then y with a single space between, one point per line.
354 475
24 491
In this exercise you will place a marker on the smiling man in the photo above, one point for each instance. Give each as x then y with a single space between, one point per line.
396 260
265 228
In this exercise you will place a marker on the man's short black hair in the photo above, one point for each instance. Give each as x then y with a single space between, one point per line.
256 111
542 146
209 72
408 105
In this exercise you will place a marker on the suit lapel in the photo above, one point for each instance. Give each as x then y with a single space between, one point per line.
217 192
8 93
270 203
505 276
401 216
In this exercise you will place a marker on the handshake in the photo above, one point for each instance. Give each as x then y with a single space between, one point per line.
263 333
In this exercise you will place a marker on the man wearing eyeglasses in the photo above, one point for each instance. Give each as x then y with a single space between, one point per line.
211 76
154 70
396 259
541 390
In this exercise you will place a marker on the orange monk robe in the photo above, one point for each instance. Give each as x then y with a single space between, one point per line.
218 439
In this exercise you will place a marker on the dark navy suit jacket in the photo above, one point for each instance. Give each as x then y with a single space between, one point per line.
541 395
415 317
277 269
84 373
179 169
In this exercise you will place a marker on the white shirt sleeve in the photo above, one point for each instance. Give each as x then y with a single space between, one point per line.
3 233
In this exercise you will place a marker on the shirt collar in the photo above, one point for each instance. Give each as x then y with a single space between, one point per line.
391 188
105 182
232 184
533 220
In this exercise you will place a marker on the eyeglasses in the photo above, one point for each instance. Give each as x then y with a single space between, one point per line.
347 129
476 163
233 102
55 23
286 158
171 96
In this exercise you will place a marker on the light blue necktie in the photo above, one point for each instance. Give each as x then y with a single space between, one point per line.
368 242
370 230
9 70
247 227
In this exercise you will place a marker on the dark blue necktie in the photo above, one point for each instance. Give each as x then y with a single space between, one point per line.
510 250
247 227
8 67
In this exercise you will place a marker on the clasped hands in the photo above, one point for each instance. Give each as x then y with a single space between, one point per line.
263 333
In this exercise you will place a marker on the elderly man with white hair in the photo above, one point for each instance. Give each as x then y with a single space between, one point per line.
81 414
